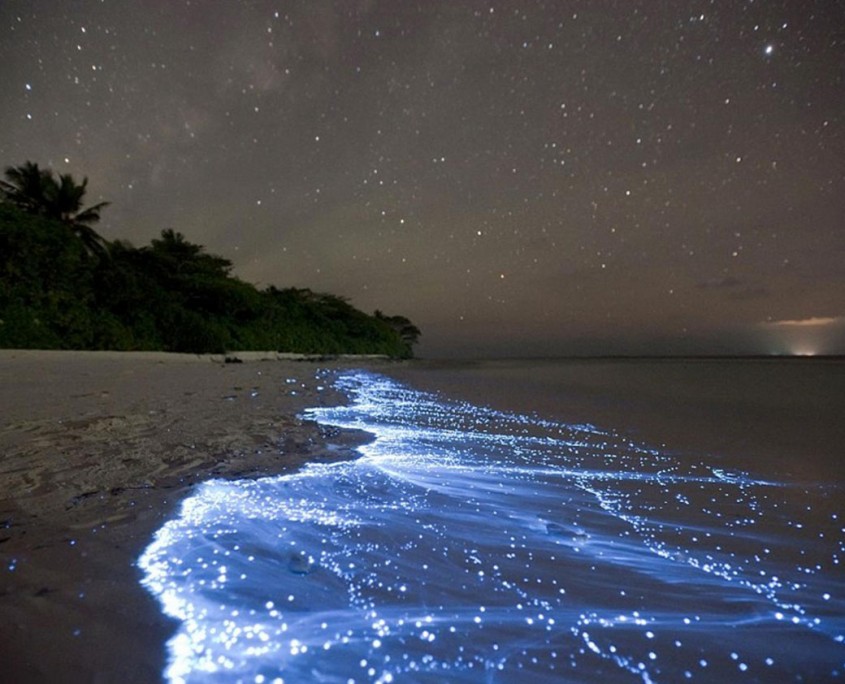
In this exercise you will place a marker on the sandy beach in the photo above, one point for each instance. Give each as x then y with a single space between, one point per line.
98 449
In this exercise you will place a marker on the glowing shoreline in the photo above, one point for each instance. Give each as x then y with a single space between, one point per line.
467 541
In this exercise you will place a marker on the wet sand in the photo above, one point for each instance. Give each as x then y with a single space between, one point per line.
96 451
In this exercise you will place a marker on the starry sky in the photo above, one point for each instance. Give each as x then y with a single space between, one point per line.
518 178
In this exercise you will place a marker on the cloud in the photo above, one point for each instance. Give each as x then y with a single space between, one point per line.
814 321
719 283
734 288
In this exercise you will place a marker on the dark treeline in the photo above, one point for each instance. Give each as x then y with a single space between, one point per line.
62 286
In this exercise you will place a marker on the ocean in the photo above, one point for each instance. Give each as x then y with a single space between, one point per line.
534 521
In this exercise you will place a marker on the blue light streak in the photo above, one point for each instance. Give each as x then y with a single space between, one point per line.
467 544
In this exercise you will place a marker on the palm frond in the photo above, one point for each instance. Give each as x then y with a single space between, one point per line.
91 214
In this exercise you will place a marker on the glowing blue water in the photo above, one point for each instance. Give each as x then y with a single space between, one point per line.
471 545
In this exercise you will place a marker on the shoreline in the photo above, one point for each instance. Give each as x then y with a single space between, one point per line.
98 450
774 416
166 357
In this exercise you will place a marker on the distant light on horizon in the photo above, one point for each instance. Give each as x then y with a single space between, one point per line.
798 344
811 336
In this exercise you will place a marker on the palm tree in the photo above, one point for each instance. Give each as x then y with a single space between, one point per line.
25 187
187 258
64 203
37 191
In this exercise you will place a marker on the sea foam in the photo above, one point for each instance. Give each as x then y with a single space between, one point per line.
471 545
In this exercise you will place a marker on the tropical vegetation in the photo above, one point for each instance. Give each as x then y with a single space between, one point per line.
62 286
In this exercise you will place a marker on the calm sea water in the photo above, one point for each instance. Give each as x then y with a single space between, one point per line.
478 544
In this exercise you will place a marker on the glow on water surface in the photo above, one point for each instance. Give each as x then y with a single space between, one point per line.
472 545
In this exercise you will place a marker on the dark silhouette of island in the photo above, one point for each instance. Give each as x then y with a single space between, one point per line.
62 286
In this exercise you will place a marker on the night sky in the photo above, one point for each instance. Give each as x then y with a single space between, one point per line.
518 178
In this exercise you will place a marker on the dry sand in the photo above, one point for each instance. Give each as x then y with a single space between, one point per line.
96 451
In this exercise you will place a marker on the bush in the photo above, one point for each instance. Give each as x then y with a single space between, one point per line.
171 295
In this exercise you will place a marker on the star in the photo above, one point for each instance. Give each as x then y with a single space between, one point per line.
409 129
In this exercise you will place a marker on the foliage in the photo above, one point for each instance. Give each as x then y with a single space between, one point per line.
37 191
170 295
407 331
